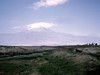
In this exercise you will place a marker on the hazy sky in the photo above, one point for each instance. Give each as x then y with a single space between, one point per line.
79 17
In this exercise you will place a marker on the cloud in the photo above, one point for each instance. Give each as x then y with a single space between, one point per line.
16 27
48 3
37 25
40 25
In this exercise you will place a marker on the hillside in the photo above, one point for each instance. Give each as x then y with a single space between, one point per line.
44 36
49 60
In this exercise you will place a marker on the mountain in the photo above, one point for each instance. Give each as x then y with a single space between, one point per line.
44 36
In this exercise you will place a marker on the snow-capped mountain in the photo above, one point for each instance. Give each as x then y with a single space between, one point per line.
42 36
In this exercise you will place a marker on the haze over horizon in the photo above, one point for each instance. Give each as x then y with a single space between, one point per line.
75 17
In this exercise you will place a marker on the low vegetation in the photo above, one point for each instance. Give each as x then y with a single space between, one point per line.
50 60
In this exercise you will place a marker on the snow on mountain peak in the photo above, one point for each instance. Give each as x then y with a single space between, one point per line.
39 26
38 29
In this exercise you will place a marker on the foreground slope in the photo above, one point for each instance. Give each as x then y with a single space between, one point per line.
49 60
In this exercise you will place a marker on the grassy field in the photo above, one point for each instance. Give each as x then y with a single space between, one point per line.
49 60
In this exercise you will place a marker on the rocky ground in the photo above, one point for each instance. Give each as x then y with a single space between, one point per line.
49 60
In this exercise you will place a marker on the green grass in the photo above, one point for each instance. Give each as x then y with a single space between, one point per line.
52 66
48 64
7 68
57 66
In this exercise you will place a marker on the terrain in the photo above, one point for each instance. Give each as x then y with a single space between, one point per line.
50 60
42 36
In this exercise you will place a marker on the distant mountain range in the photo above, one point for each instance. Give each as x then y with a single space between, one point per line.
44 36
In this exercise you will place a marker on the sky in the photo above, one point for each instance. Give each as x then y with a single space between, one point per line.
78 17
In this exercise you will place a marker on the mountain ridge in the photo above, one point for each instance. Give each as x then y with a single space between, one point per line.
44 37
